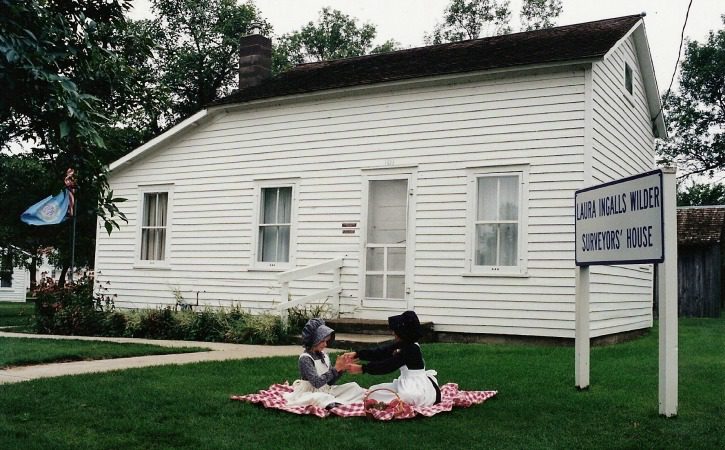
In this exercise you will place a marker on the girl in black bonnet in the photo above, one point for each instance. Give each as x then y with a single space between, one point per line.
316 385
415 385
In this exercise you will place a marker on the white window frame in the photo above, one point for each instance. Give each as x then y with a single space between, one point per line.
142 191
255 264
521 269
628 69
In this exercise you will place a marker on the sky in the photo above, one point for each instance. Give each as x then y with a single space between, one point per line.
406 21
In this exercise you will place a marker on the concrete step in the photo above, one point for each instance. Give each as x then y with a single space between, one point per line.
374 328
353 341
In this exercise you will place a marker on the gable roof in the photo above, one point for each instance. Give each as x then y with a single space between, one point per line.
581 41
700 225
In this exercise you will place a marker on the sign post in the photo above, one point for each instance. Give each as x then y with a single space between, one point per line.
667 289
623 222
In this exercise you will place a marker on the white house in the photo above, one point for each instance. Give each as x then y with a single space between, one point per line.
13 280
439 179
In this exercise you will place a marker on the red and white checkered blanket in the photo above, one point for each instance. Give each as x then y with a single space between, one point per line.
451 397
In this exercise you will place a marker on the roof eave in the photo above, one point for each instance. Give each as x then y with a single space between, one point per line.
650 80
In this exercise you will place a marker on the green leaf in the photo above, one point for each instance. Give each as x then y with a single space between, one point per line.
109 227
64 129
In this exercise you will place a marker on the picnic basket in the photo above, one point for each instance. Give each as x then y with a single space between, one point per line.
397 406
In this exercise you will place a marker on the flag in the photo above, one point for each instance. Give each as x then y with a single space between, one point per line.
49 211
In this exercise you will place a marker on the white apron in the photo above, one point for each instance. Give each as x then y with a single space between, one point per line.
413 386
305 394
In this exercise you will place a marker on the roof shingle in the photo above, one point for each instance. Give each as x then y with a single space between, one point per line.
566 43
700 225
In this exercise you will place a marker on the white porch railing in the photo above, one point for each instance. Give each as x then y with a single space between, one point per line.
285 278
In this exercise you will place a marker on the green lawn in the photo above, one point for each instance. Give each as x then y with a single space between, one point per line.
16 314
29 351
537 406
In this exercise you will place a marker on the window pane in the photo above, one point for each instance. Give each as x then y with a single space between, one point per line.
509 236
283 244
162 199
268 243
284 211
395 287
160 247
374 260
149 215
387 212
486 245
487 193
374 286
269 205
509 198
396 259
145 244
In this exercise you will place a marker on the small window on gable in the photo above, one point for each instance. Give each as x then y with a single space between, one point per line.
628 78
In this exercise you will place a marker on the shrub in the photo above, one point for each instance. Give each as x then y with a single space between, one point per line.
298 317
157 324
71 309
256 329
207 325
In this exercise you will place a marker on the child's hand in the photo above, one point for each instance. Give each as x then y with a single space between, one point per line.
354 368
341 363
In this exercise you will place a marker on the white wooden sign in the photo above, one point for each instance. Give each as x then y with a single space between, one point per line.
623 222
620 222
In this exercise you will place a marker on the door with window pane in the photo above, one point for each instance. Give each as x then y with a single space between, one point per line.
386 245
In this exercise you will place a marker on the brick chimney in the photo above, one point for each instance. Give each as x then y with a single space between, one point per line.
255 60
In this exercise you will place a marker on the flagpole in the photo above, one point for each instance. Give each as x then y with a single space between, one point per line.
73 246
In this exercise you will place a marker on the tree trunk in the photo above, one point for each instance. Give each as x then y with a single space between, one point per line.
34 273
63 273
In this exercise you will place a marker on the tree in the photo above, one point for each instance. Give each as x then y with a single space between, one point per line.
65 86
198 49
701 195
539 14
471 19
334 36
696 114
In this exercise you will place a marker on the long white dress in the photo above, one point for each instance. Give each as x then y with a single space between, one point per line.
413 386
306 394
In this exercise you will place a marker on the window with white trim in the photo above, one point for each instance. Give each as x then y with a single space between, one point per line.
155 205
496 227
274 234
153 226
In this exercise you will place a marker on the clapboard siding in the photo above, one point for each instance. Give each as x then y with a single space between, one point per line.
537 120
622 145
19 285
325 143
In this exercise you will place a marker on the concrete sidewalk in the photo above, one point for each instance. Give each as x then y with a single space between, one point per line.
217 352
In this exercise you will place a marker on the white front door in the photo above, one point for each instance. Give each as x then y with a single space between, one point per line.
387 258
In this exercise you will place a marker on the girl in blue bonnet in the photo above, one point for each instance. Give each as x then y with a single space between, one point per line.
318 376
